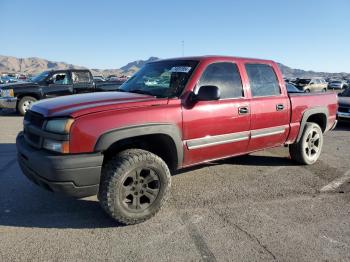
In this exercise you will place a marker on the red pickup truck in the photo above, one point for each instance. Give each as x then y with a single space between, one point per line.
172 114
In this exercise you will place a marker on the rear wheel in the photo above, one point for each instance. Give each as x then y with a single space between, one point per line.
24 104
134 186
324 90
309 147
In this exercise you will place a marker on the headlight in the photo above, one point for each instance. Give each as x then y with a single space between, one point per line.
57 146
7 93
60 126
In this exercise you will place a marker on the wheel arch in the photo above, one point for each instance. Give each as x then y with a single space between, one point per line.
161 139
34 95
317 115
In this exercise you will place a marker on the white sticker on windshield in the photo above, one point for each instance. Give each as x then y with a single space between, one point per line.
180 69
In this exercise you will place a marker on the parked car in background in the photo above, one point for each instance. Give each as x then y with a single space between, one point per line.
2 80
292 88
99 79
8 79
50 84
311 84
124 145
22 77
337 84
344 105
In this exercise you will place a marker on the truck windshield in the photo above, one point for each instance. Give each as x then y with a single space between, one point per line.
161 79
40 77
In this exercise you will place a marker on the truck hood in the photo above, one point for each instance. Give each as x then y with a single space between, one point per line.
17 85
77 105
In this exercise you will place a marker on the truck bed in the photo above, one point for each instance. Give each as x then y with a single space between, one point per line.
304 102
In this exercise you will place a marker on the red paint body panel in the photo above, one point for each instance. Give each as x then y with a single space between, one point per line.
98 113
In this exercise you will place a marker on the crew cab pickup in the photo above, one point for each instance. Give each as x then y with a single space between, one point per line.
171 114
48 84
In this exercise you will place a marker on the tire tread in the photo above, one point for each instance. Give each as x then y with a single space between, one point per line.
113 170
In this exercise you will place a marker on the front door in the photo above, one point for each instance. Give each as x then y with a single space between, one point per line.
59 84
215 129
270 110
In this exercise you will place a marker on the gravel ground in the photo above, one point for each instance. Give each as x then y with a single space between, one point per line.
256 207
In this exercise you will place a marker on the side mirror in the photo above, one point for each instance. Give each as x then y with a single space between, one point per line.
207 93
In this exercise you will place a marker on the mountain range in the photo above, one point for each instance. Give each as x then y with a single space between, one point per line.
34 65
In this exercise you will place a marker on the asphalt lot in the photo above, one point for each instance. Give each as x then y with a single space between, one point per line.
256 207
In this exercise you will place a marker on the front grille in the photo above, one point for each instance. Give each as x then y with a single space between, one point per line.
35 139
34 119
344 109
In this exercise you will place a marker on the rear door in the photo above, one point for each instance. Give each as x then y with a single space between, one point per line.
215 129
82 82
270 107
59 84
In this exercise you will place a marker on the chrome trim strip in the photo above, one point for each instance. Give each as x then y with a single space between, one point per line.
268 131
233 137
217 140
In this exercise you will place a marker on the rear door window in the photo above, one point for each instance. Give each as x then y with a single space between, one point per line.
263 80
226 77
81 77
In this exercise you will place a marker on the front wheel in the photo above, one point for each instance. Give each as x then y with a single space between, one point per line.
307 90
309 147
24 104
134 186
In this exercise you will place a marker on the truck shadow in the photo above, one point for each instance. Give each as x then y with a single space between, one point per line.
8 113
23 204
251 160
342 126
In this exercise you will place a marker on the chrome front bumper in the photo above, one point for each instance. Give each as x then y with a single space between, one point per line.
8 102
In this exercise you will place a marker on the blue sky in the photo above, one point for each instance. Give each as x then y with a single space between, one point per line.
306 34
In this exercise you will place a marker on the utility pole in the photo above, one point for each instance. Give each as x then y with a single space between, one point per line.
183 47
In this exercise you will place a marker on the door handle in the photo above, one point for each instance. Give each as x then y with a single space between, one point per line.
243 110
279 107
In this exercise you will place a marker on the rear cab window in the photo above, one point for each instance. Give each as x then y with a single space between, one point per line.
263 80
226 77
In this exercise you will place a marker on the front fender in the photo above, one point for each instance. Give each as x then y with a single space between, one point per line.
115 135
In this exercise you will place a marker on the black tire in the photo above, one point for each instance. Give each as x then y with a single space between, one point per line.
307 90
24 103
134 186
324 90
309 147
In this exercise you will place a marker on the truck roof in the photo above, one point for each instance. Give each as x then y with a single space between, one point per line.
216 57
69 70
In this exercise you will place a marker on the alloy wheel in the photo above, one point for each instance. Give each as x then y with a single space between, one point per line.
139 189
312 144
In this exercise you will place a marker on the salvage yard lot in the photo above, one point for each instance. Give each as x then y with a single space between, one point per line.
256 207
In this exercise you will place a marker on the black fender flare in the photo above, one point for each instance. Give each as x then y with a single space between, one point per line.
112 136
307 114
